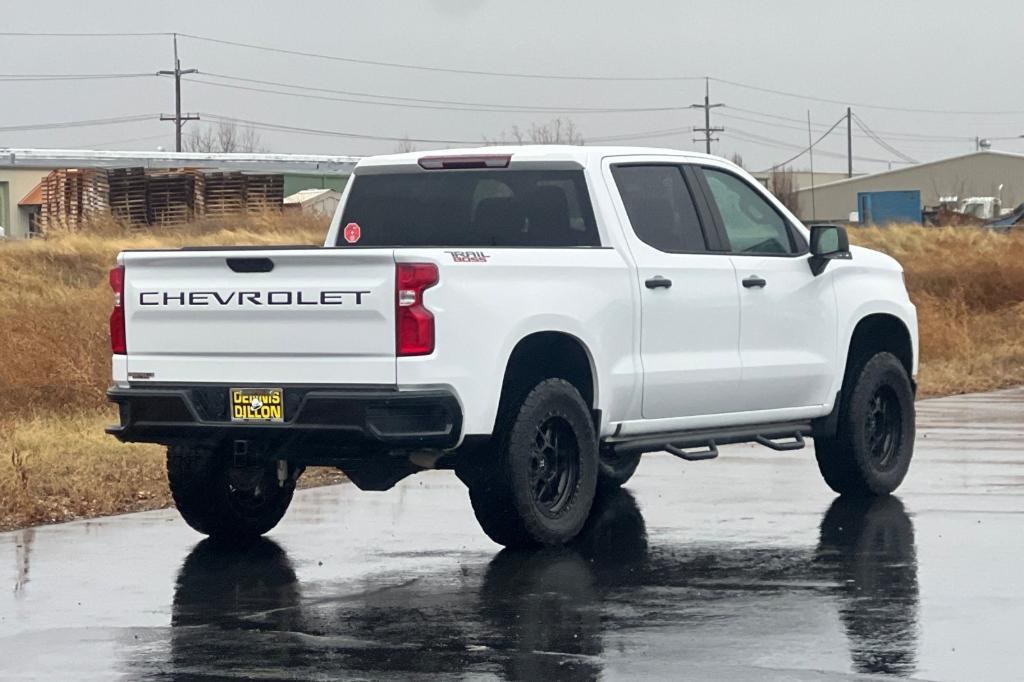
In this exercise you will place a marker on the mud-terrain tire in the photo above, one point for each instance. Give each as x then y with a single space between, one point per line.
536 484
208 496
874 441
614 470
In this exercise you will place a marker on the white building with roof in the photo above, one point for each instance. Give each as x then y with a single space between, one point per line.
321 201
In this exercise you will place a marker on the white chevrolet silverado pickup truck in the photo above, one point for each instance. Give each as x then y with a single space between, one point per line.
535 318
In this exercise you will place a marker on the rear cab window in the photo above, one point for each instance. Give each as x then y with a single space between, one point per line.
470 208
660 207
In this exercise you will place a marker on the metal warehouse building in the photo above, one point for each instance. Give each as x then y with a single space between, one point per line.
22 170
976 174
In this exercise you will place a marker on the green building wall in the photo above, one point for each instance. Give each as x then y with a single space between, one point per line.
293 182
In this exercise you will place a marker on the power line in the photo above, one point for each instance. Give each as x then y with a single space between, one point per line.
665 132
822 126
261 125
754 138
485 107
811 145
110 34
849 141
124 141
504 74
415 103
422 103
882 107
420 67
33 77
882 143
78 124
913 137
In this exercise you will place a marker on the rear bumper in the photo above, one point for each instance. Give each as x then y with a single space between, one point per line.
315 417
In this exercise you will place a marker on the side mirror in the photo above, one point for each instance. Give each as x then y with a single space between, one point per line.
828 242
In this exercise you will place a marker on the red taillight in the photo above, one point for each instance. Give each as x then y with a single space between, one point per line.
118 344
414 324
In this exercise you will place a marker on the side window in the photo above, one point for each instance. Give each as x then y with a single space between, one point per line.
660 207
751 223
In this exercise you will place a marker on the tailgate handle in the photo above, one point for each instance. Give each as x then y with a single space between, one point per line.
250 264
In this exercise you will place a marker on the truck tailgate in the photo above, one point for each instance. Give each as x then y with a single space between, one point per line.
268 316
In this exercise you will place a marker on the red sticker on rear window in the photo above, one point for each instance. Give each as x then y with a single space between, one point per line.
353 233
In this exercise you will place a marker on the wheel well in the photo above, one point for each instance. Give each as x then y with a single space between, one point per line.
874 334
881 333
545 355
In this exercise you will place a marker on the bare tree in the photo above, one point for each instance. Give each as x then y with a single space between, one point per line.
737 158
225 137
405 145
555 131
783 185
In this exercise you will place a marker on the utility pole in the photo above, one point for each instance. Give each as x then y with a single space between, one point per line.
849 143
707 129
810 150
178 119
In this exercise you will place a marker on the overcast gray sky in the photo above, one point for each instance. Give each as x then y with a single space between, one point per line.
937 55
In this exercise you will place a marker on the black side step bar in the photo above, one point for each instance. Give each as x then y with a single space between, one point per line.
679 442
710 453
796 444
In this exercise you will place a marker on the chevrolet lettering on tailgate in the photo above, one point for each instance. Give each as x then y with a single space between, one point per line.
240 298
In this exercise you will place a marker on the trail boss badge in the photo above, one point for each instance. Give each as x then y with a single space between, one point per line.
468 256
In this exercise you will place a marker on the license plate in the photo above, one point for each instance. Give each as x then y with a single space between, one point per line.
257 405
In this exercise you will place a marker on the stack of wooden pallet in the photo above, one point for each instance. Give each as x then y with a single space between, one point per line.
171 197
73 196
95 194
198 191
127 196
223 193
143 197
264 192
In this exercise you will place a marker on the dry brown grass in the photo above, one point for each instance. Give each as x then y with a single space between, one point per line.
56 463
968 285
54 469
55 300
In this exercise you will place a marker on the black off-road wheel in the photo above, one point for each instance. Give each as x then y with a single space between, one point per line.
615 470
874 442
229 503
536 485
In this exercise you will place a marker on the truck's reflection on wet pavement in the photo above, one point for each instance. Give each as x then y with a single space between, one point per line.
545 614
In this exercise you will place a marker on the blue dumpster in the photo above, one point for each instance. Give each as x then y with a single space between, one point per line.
880 208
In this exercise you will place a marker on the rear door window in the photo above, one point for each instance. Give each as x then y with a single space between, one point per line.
660 207
471 208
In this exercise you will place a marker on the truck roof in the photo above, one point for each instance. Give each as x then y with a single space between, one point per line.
581 155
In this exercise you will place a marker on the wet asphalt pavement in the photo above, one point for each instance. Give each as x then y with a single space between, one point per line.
742 568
